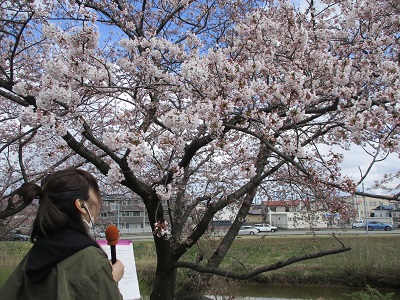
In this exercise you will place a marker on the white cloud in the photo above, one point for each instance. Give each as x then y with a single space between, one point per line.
356 158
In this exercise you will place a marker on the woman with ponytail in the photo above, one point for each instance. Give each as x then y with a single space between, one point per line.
64 262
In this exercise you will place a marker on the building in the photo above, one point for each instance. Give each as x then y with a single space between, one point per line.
288 214
365 206
291 214
254 216
395 213
382 211
282 205
126 213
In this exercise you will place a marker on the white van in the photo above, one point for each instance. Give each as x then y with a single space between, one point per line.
266 228
358 224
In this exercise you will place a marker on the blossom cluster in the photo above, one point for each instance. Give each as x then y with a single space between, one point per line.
256 97
161 229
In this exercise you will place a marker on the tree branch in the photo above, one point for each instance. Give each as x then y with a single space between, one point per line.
86 153
247 275
13 97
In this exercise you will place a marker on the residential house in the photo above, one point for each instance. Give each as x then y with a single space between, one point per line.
395 214
282 205
254 216
382 211
124 212
290 214
365 206
130 216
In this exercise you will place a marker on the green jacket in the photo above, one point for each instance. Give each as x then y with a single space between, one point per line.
87 275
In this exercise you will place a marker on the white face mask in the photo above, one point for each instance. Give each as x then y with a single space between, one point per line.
89 225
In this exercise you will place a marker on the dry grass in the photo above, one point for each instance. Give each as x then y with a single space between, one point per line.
11 253
373 260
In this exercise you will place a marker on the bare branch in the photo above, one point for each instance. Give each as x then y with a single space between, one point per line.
247 275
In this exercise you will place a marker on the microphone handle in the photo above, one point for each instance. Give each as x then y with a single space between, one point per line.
113 254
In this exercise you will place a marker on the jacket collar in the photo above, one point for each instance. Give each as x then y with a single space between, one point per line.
47 252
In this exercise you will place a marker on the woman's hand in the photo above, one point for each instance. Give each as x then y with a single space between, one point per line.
118 270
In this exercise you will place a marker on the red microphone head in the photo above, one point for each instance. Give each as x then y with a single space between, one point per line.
112 234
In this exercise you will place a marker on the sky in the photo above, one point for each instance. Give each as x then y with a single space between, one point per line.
357 158
300 3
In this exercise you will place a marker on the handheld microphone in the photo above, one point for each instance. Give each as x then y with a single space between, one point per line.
112 236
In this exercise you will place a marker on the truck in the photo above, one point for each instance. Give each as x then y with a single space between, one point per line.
360 223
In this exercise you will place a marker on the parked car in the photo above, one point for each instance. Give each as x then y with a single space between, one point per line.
16 237
358 224
379 225
246 230
266 228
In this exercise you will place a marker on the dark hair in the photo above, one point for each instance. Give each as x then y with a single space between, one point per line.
57 195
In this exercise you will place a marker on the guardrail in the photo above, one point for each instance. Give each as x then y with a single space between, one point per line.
125 231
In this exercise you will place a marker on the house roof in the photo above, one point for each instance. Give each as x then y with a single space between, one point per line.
254 212
384 207
277 203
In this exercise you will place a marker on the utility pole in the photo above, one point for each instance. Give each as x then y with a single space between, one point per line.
115 207
365 203
144 219
365 210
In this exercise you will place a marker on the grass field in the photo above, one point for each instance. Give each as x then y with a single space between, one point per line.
373 260
11 253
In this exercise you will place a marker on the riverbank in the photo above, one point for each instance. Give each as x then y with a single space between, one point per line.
373 260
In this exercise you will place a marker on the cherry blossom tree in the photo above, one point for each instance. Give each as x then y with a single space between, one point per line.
199 105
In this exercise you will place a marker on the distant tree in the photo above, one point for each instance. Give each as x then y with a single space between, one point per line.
198 104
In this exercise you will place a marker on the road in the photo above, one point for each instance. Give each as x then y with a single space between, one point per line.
328 231
291 232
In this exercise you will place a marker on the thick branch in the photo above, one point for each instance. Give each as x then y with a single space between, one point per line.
86 153
190 152
12 209
385 197
247 275
88 133
13 97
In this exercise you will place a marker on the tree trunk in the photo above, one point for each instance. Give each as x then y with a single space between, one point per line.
164 285
165 277
197 284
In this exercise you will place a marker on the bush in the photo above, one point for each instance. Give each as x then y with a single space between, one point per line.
371 294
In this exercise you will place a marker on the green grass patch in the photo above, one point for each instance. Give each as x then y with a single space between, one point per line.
11 253
373 260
